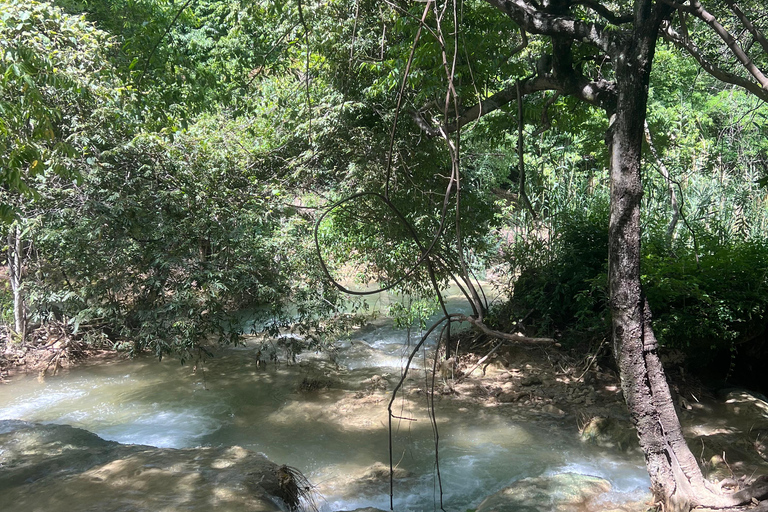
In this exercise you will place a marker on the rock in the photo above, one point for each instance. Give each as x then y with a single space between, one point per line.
565 492
508 386
379 472
356 482
508 397
531 380
57 467
552 410
610 433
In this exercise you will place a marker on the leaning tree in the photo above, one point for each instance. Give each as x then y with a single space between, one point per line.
622 35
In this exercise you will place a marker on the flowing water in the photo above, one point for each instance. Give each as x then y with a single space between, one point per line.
332 434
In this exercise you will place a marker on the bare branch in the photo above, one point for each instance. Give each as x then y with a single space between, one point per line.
686 44
519 338
759 37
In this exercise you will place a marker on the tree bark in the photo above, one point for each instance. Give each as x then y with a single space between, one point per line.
676 479
14 276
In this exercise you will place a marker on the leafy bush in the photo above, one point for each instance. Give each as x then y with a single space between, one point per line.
564 288
709 307
712 307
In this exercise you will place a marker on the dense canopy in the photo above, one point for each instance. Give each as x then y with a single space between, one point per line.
177 174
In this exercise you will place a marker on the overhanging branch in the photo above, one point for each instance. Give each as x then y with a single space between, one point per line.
756 33
615 19
696 9
599 93
535 21
726 76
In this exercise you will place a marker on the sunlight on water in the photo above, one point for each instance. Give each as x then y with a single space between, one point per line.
332 434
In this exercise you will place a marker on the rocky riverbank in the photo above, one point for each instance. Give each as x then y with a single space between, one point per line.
57 467
535 393
726 428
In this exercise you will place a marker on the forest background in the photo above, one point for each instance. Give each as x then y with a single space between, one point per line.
165 167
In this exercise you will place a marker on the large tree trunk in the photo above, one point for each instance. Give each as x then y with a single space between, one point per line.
14 276
676 478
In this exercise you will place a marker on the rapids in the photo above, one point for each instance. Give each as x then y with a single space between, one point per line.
325 415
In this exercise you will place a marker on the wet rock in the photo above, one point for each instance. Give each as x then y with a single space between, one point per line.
377 382
610 433
57 467
553 411
354 482
558 493
379 472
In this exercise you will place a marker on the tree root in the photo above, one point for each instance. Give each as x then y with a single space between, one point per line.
740 501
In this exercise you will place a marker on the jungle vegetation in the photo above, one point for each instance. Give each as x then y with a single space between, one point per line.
169 170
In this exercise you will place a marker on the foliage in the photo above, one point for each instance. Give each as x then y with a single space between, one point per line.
165 244
53 79
708 301
168 165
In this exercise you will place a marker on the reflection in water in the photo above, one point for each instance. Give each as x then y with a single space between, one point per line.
331 434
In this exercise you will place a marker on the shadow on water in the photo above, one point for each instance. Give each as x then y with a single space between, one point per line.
333 431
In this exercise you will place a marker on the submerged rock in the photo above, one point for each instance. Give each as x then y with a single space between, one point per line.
610 433
353 483
569 492
58 467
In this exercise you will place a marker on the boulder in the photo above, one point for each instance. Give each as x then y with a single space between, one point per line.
354 482
58 467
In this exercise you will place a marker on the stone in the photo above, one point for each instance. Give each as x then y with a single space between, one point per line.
508 386
610 433
531 380
564 492
552 410
508 397
356 482
58 467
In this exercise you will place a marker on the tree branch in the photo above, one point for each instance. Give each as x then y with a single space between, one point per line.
534 21
726 36
599 93
759 37
614 19
519 338
686 44
696 9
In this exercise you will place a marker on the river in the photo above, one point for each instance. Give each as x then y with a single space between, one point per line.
331 434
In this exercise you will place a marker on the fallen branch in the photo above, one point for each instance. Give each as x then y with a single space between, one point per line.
518 338
481 361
